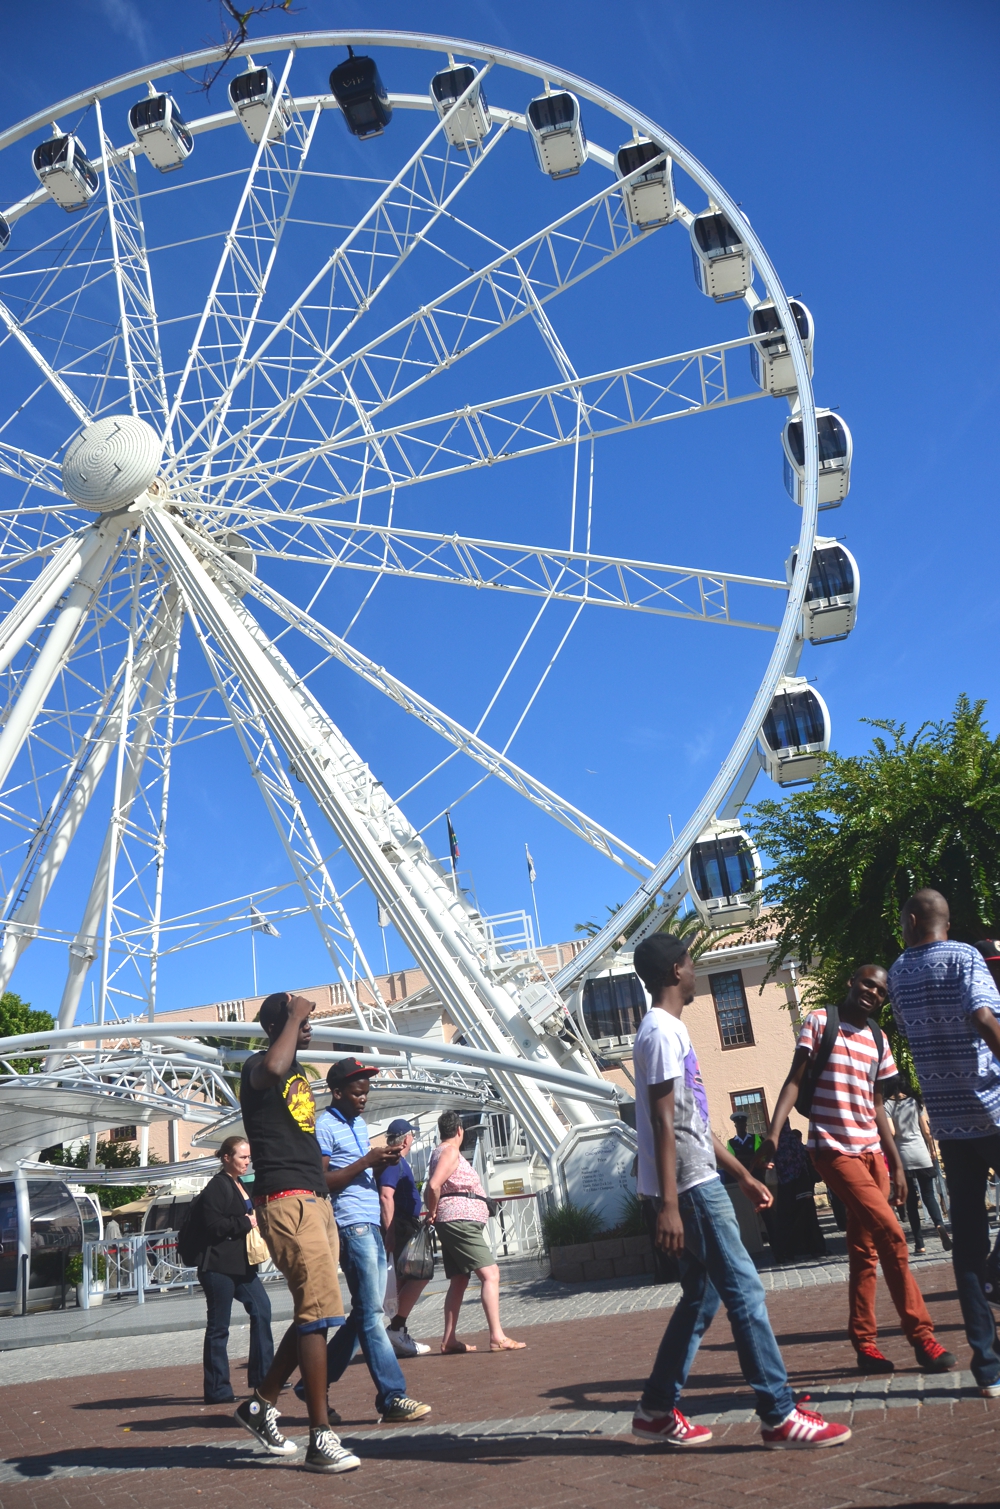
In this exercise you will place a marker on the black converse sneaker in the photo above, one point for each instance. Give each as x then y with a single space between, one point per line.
326 1454
261 1419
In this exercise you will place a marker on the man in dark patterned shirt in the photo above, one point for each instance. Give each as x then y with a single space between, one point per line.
944 1000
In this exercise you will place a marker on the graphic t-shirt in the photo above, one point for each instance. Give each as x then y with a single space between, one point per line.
662 1050
842 1119
344 1142
280 1123
934 989
407 1197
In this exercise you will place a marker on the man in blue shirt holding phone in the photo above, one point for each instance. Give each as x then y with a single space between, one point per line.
352 1166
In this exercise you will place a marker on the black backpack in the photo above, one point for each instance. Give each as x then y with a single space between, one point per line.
192 1238
815 1067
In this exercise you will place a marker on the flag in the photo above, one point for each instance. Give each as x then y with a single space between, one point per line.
452 841
531 865
383 915
261 924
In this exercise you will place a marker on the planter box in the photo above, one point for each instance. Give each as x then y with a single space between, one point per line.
616 1257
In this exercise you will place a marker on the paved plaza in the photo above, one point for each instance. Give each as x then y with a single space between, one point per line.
100 1422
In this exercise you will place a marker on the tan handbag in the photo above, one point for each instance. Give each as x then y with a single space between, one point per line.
257 1252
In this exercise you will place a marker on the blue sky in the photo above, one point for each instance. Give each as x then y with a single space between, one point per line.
862 142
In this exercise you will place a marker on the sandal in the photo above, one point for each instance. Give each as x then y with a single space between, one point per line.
508 1346
457 1349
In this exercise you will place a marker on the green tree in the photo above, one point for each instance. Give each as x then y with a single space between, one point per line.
16 1020
845 854
109 1155
689 927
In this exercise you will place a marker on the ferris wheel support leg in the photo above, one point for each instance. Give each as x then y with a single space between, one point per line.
45 591
54 652
83 949
388 853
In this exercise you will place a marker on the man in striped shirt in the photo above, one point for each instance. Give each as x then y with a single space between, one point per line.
848 1133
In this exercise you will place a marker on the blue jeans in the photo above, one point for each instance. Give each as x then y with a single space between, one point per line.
967 1164
715 1266
362 1257
220 1291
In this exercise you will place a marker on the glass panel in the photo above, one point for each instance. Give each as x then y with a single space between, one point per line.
8 1239
363 113
55 1228
613 1006
722 867
715 235
831 574
795 718
148 112
51 152
251 86
832 438
635 153
4 233
765 318
452 82
552 111
795 442
731 1009
801 318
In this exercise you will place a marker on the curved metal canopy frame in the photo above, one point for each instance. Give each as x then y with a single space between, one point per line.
502 1015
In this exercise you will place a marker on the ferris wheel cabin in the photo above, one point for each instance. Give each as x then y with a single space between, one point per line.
795 732
470 125
64 171
4 234
770 359
252 95
723 874
161 132
357 87
557 133
831 606
649 198
722 265
835 450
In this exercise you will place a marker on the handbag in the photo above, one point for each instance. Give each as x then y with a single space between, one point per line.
257 1249
415 1258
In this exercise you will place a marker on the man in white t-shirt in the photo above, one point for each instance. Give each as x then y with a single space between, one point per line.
678 1157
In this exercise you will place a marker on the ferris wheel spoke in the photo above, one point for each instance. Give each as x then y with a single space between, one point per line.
230 313
593 833
301 849
54 378
531 570
508 428
139 331
402 217
35 471
450 327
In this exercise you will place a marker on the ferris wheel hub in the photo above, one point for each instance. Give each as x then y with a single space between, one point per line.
112 462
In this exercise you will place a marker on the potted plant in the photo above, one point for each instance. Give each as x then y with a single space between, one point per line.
98 1275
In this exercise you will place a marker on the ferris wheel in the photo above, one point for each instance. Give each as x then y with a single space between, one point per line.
355 344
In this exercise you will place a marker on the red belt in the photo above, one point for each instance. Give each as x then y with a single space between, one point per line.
284 1194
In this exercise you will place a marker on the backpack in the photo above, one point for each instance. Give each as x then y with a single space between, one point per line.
815 1067
192 1238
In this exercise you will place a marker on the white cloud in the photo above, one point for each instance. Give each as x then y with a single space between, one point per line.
124 18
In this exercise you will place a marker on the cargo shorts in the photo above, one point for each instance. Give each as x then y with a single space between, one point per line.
301 1236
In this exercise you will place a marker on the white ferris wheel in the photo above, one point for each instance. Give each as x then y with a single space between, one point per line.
258 367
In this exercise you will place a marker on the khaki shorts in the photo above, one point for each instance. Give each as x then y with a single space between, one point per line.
464 1247
301 1236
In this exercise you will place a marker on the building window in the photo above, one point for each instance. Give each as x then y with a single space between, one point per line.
123 1134
613 1006
731 1009
752 1105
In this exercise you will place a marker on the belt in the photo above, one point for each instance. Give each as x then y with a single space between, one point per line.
285 1194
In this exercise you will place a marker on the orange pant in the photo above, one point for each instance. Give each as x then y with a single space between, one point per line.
873 1235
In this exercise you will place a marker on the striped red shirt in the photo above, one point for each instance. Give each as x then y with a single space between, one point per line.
842 1119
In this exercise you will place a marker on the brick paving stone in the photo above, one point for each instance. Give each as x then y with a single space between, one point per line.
552 1419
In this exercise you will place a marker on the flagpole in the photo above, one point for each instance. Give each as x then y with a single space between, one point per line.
534 901
253 947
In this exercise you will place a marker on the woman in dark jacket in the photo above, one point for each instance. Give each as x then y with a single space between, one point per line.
224 1274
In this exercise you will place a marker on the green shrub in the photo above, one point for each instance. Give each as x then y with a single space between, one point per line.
632 1219
74 1267
569 1224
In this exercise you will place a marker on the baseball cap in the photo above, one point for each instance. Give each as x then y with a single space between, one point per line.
348 1068
399 1127
990 950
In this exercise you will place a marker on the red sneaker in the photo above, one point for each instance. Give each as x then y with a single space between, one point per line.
870 1359
671 1429
802 1431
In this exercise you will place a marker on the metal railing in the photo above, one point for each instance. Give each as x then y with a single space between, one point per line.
516 1229
140 1265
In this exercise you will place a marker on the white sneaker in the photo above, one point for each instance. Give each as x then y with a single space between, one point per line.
404 1345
